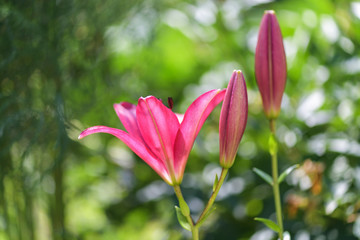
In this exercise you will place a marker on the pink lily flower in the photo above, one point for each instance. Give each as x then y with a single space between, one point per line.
156 135
270 64
233 118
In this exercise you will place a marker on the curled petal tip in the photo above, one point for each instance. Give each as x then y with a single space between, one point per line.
147 97
81 135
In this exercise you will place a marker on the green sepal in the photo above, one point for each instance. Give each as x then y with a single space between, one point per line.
263 175
182 219
285 173
215 182
185 210
273 146
206 216
270 224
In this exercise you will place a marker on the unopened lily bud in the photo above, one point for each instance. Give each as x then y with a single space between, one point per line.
233 118
270 64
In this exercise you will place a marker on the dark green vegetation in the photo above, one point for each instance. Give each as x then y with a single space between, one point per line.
64 63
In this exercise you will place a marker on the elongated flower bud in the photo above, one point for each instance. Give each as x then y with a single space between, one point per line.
233 119
270 64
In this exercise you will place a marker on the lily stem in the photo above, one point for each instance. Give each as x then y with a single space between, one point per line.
213 196
186 212
274 164
195 232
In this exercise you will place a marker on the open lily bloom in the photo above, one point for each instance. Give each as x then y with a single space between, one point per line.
157 136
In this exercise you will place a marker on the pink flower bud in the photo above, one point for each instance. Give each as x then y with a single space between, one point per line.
233 119
270 64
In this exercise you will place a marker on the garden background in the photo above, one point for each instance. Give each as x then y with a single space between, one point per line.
63 63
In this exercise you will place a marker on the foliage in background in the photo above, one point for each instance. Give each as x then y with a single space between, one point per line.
64 63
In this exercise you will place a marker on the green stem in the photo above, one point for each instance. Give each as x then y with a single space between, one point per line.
274 164
186 212
272 126
213 196
195 232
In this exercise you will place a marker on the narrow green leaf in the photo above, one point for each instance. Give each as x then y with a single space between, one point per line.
270 224
273 146
285 173
182 219
215 182
206 216
263 175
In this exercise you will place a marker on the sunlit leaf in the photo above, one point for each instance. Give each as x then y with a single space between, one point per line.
182 219
215 182
263 175
285 173
270 224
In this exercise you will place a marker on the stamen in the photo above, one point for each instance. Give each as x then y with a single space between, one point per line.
170 102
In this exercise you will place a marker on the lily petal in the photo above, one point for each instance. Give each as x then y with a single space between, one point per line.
158 126
180 117
127 115
194 118
135 145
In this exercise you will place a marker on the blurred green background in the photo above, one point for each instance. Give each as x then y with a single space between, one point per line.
63 63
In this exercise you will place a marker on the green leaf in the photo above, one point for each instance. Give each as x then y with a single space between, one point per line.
215 182
182 219
206 216
273 146
263 175
270 224
285 173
